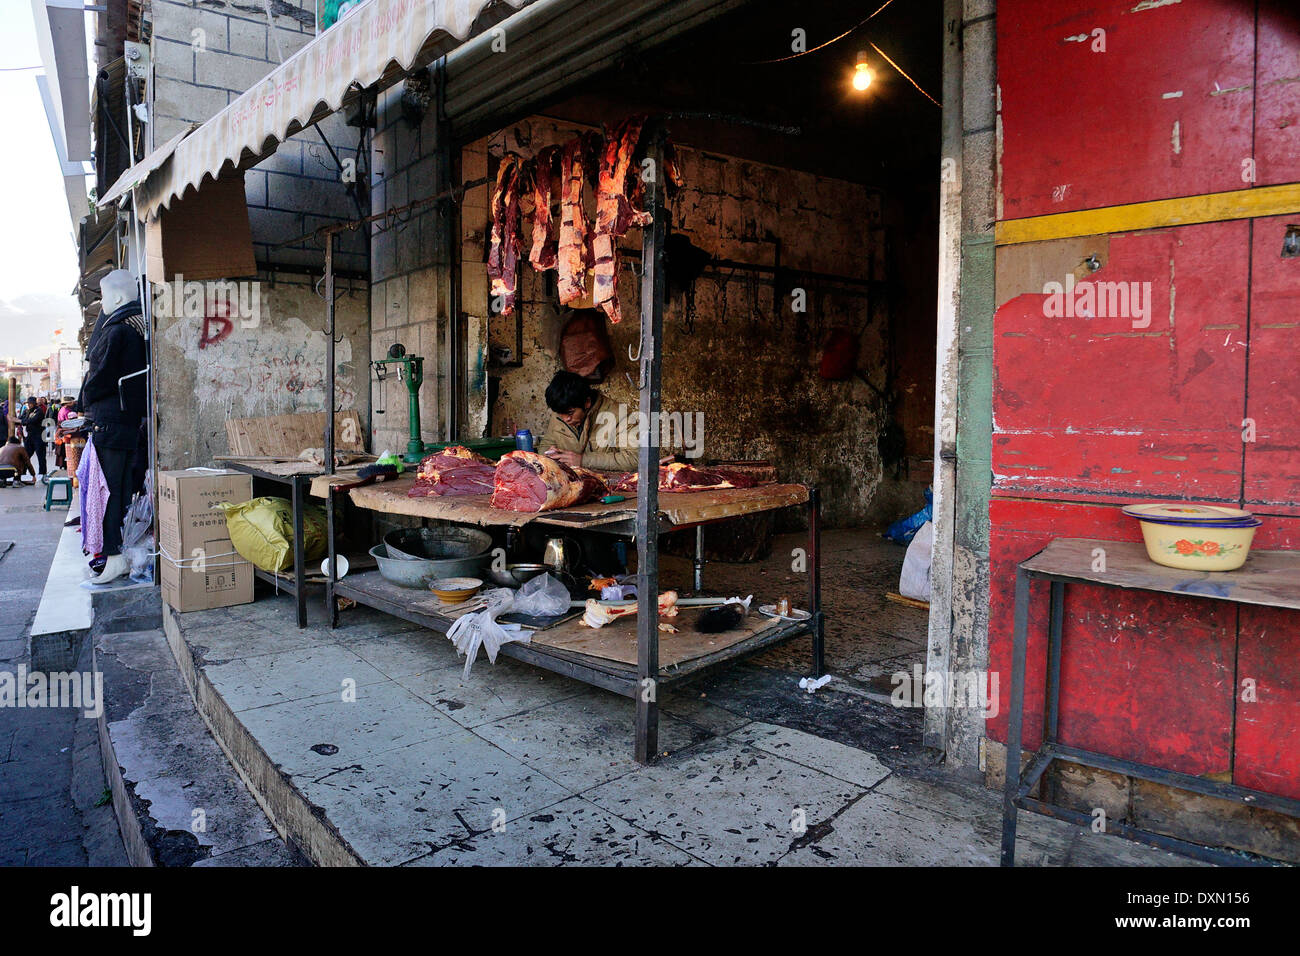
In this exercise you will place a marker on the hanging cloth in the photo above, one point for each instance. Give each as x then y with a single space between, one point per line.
94 499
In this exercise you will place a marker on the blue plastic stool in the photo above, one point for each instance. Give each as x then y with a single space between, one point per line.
65 484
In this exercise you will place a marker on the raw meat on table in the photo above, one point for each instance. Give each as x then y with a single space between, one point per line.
527 481
453 471
682 477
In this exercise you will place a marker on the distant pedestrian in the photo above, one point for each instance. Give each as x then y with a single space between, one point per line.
14 463
33 434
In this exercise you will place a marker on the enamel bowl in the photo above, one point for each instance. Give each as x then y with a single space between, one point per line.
1199 547
455 590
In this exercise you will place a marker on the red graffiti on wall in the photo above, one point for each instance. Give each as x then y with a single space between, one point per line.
218 316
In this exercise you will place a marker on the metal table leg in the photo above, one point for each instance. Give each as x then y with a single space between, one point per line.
1051 709
815 582
1015 717
331 605
647 494
299 554
699 558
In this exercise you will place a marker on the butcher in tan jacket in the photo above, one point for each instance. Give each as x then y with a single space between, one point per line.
585 429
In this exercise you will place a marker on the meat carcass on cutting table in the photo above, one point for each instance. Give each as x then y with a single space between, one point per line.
453 471
527 481
680 477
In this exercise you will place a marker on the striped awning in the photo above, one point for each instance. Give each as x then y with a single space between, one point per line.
380 40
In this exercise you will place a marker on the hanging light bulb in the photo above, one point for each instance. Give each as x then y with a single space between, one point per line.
862 75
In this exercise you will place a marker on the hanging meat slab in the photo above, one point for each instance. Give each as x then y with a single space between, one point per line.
506 240
574 244
615 212
453 471
527 481
545 252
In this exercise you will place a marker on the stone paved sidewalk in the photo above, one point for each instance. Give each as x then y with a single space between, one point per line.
49 757
519 766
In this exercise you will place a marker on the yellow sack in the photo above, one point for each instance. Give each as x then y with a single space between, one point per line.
262 532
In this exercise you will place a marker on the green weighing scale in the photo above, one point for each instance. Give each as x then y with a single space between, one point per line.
410 370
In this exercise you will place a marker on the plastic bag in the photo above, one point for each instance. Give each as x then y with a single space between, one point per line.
137 534
902 530
262 532
914 582
481 629
542 596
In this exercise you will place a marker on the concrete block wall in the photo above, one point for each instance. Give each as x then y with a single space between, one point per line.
206 53
409 273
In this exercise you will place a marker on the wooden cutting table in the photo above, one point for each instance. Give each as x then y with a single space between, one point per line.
605 657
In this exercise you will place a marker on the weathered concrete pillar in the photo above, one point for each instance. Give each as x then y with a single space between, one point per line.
958 639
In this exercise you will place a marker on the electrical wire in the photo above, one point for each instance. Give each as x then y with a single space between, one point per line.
903 73
19 69
821 46
795 56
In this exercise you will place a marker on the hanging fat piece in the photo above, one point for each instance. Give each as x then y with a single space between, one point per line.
616 211
574 247
545 252
506 240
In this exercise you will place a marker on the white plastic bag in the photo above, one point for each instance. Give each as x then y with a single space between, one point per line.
914 582
481 629
542 596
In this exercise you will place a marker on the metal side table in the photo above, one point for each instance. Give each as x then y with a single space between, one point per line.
299 486
1269 578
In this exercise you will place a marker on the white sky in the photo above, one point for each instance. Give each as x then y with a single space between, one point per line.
38 256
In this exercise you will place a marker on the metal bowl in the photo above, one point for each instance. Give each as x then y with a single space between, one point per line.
411 572
437 543
516 574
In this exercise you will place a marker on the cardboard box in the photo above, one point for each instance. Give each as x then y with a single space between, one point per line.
200 569
203 236
219 582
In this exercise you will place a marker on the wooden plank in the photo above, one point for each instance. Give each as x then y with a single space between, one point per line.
617 641
907 601
1177 81
288 435
390 497
1268 578
1170 427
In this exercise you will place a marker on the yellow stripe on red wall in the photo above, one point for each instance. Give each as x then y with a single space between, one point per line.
1252 203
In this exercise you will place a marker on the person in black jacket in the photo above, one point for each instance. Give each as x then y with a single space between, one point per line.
33 421
118 348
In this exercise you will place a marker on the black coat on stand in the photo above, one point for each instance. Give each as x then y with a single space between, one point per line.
117 349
